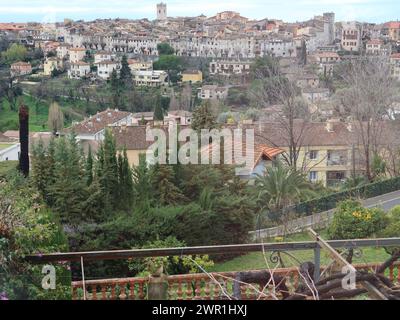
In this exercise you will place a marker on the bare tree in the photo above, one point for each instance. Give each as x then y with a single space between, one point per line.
56 118
368 96
293 119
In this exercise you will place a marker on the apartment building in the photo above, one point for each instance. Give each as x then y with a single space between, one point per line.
192 76
101 56
392 30
138 65
79 70
326 62
351 36
76 54
20 68
228 68
377 47
209 92
106 67
62 50
152 78
51 64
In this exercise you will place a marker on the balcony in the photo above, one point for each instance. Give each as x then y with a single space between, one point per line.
337 158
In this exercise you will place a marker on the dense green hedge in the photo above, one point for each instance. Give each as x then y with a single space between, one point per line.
331 201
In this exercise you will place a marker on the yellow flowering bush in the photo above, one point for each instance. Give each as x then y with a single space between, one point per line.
353 221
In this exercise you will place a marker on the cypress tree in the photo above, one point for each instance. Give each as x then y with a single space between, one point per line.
125 74
24 139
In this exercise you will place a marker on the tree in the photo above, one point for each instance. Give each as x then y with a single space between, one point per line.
56 118
158 110
69 190
265 67
170 63
166 193
126 191
165 49
116 89
281 187
368 96
107 172
203 117
24 139
125 74
15 52
292 120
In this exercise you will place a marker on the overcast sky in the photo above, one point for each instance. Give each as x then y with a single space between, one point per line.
288 10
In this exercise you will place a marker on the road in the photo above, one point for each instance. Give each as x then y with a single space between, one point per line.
320 220
386 201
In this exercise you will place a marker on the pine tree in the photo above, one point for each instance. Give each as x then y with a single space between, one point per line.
89 167
166 192
203 117
108 172
125 181
69 188
142 185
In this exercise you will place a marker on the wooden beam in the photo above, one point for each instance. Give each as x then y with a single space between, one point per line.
372 290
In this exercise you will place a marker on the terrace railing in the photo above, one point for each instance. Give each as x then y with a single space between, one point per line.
214 286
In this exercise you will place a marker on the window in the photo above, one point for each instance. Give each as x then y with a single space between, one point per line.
313 176
313 155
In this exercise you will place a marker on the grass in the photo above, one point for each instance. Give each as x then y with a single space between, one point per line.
256 260
38 114
5 145
6 167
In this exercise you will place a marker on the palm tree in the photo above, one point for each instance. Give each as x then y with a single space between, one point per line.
281 187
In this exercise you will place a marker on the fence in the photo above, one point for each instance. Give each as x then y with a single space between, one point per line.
199 286
216 286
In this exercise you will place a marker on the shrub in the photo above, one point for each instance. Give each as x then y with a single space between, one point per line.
392 229
26 227
353 221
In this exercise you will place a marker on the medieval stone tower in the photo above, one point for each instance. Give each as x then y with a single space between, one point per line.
329 19
161 11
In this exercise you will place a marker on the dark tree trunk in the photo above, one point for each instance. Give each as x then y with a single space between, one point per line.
24 140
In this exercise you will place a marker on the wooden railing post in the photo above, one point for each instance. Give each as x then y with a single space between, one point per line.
317 263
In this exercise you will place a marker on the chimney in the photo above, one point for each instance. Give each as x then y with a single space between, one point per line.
349 126
329 126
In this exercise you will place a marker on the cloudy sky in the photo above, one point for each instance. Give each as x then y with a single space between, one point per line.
288 10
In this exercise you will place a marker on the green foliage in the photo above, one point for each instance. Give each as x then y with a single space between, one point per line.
125 74
352 221
170 63
165 49
281 187
392 229
158 110
265 67
203 117
172 264
164 188
366 191
14 53
27 227
378 167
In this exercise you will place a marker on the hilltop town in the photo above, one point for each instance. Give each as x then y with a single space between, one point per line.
273 130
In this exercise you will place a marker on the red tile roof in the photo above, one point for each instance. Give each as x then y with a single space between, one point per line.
99 121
